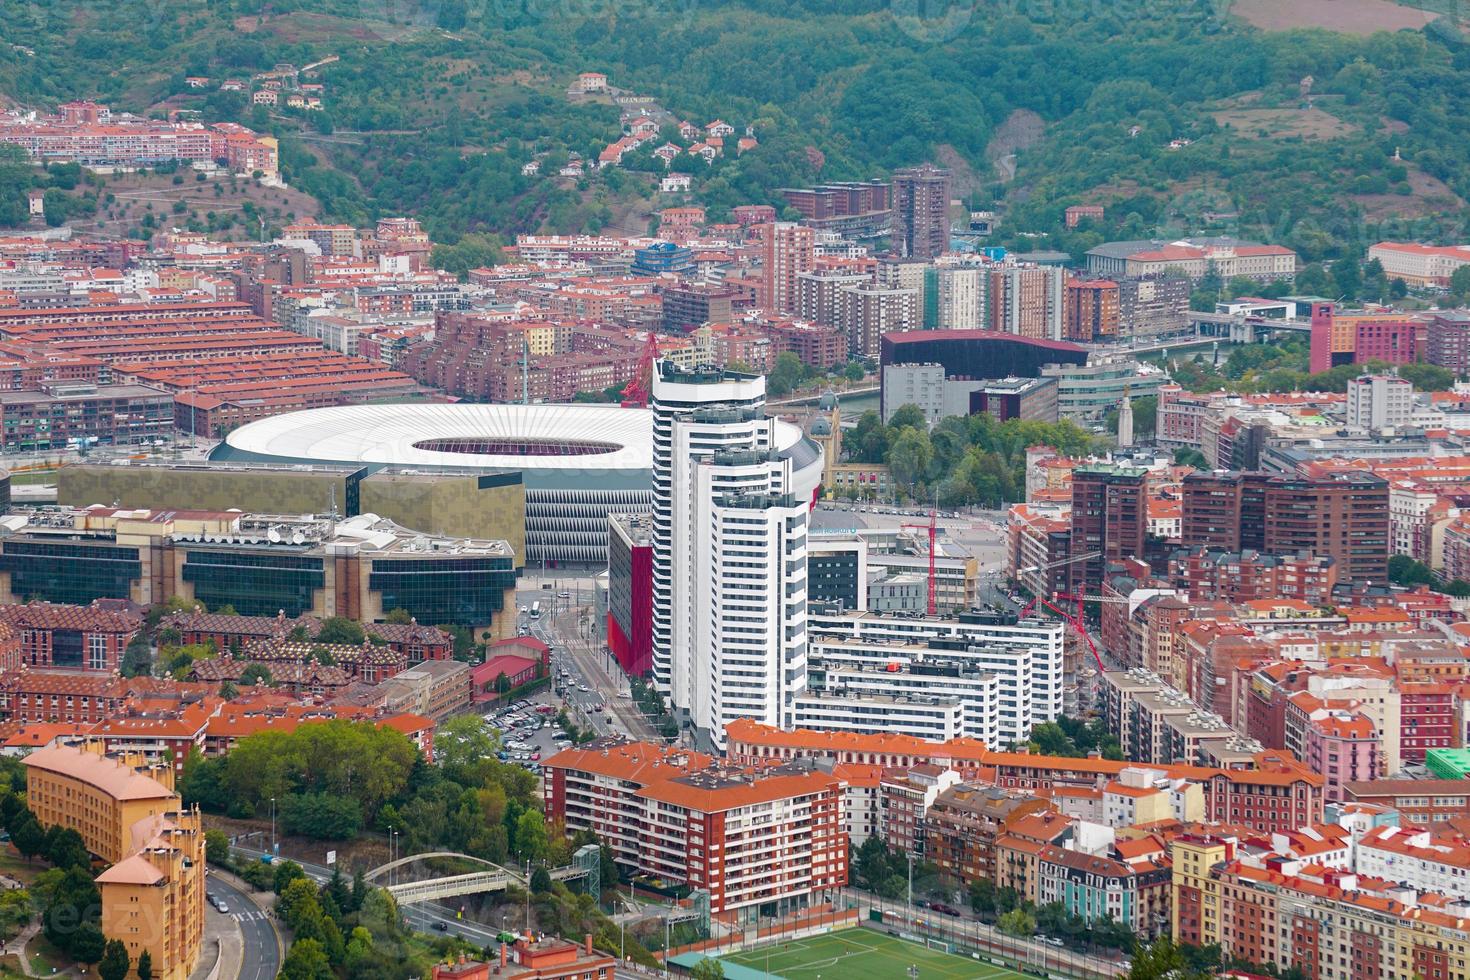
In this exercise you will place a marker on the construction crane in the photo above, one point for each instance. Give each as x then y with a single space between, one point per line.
1076 619
933 528
640 387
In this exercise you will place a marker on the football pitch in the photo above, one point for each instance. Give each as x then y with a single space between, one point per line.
863 954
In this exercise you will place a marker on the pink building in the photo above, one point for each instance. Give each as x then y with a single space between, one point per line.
1392 341
1344 747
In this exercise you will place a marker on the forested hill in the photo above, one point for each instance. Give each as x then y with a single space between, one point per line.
435 105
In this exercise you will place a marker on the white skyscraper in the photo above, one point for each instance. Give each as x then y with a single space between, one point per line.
731 496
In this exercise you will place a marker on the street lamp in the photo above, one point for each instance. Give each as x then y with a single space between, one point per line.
273 827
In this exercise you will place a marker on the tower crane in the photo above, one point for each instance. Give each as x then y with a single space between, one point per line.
1076 619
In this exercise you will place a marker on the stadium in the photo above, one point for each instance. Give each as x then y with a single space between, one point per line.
578 462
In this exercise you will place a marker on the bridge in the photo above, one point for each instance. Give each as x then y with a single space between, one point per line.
586 863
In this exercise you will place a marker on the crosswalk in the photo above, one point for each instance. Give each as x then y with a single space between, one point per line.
253 915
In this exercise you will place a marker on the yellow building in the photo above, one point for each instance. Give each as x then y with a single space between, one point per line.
128 814
1195 894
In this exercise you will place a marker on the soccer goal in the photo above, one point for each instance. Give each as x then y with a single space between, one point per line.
938 944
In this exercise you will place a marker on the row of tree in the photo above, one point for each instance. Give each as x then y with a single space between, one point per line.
965 460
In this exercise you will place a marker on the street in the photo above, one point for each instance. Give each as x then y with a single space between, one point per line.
594 687
261 954
421 917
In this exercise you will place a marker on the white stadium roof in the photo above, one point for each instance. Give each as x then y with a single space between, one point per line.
563 437
556 441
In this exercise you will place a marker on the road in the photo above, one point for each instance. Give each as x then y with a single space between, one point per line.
261 955
595 680
421 916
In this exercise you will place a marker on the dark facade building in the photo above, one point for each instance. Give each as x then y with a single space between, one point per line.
630 591
262 566
921 211
1109 520
1017 398
688 307
1448 341
1224 510
107 415
1343 516
853 209
978 353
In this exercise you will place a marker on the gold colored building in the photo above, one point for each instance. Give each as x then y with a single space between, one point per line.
128 814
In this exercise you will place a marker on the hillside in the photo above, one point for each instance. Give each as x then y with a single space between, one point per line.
434 106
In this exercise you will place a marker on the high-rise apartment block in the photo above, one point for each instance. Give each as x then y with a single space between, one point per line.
921 211
1343 516
789 250
729 562
1109 519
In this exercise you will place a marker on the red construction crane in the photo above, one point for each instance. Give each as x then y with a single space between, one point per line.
1077 619
640 387
933 594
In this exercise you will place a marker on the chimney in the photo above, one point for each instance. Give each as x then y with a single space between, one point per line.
588 939
503 949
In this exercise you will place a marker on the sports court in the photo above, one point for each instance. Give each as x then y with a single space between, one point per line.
863 954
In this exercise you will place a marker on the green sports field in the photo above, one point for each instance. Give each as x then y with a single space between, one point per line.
862 954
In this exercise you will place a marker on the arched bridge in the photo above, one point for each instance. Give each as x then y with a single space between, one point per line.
586 863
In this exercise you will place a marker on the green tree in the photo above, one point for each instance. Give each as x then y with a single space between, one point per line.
284 874
28 838
910 457
1191 457
540 881
1428 377
398 616
321 816
786 374
1017 922
87 944
137 658
854 371
254 674
339 630
531 839
217 847
16 912
115 963
708 968
145 966
307 960
908 416
1460 282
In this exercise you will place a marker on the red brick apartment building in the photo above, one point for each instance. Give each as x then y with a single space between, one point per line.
747 835
72 637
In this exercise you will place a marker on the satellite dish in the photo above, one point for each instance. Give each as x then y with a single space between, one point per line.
298 538
273 536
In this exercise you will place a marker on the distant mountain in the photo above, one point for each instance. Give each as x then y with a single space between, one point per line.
1177 116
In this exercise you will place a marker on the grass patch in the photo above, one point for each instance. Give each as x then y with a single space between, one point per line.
863 954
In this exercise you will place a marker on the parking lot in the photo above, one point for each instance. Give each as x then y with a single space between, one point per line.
528 732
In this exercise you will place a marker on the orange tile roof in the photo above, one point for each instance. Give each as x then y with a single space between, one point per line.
118 781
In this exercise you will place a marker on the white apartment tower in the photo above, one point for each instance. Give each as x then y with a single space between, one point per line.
729 563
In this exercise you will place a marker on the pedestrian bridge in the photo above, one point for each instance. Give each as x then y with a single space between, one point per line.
586 863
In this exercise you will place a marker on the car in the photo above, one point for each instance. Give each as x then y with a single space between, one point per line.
1053 941
211 897
535 756
583 688
563 595
524 610
222 908
440 925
